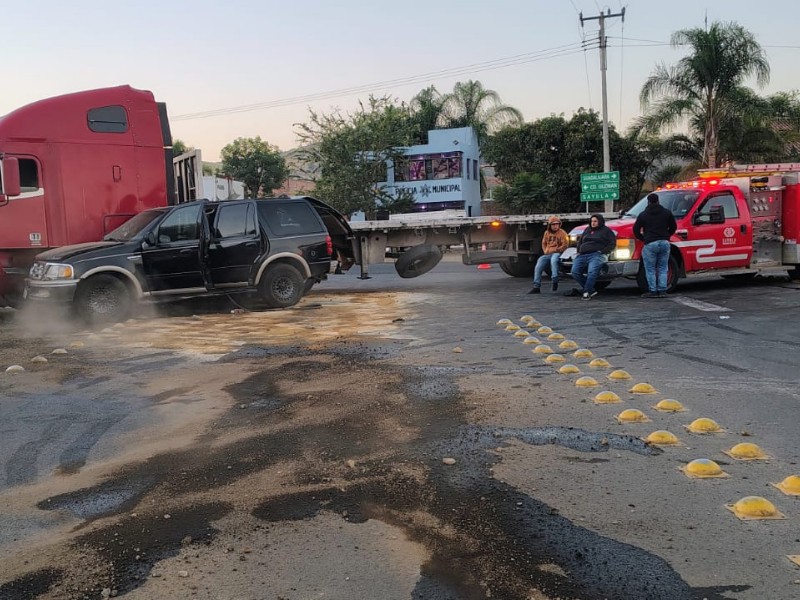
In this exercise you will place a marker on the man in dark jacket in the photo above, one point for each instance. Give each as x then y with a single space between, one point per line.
596 243
654 226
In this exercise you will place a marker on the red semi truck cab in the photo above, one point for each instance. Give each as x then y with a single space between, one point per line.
73 168
736 223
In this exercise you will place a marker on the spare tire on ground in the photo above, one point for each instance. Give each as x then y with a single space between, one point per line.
417 261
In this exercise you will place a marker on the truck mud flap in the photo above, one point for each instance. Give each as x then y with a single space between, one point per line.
417 261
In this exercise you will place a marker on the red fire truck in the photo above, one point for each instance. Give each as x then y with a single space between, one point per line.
738 223
73 168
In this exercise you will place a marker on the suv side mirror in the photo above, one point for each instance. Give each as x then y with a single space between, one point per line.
9 179
150 238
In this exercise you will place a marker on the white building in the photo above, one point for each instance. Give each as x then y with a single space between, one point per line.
443 175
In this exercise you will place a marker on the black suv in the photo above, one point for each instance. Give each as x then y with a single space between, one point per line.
277 247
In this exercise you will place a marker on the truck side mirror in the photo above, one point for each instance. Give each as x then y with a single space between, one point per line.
150 238
716 215
9 179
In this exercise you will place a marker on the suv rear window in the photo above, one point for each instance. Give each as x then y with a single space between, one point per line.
289 218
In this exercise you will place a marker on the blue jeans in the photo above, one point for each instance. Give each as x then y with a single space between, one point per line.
591 265
655 256
541 264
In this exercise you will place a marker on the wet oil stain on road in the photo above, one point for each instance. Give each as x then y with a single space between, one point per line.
365 440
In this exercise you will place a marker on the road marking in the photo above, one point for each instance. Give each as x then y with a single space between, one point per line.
699 304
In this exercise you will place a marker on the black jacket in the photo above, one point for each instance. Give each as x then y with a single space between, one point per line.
599 239
657 223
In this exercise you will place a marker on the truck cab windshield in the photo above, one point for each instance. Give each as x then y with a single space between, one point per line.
134 226
679 202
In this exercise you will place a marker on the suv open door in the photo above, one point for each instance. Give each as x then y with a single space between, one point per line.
345 245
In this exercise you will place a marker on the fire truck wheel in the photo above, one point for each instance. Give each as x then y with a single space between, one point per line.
417 261
518 268
672 276
103 299
282 286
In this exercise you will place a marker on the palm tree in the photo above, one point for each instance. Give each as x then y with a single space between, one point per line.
704 88
427 112
472 105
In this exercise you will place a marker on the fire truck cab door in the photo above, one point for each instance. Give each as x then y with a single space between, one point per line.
723 245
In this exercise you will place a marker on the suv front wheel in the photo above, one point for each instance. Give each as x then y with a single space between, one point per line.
103 299
282 286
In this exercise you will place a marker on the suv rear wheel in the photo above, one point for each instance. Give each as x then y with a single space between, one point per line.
282 286
103 299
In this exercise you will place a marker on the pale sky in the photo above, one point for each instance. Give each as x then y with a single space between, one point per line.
203 56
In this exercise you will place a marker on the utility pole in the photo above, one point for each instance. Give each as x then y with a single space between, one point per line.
609 204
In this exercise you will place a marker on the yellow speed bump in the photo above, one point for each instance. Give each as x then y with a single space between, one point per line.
555 358
568 369
599 363
526 319
703 468
632 415
533 325
531 340
504 322
586 382
77 344
795 558
555 336
671 406
643 388
512 327
619 375
520 333
568 345
704 425
607 398
752 508
544 329
542 349
582 353
746 451
661 438
789 486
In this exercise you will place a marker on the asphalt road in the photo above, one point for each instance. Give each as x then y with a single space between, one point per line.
299 453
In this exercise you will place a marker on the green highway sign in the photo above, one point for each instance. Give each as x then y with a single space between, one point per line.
592 196
599 186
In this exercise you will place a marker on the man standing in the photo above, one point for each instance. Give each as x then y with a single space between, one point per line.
596 243
554 241
654 226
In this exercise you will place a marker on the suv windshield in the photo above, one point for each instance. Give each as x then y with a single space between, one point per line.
131 228
677 201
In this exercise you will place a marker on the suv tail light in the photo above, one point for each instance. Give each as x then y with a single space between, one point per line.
329 245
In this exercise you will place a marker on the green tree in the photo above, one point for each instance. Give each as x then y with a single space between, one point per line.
427 112
559 150
705 87
352 151
257 164
527 194
180 147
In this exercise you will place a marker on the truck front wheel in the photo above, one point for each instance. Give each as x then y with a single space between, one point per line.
103 299
518 268
672 276
282 286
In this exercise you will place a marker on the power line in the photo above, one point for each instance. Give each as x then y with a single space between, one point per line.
555 52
